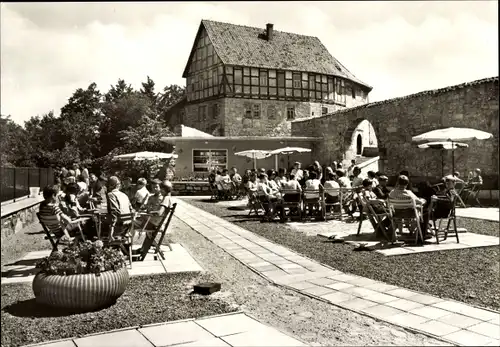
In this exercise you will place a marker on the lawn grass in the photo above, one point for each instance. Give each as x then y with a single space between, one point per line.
467 275
147 300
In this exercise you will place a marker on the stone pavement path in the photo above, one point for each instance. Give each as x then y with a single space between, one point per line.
236 329
449 320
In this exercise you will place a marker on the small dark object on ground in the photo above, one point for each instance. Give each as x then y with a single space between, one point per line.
206 288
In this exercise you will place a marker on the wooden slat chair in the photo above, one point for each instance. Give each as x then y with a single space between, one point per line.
293 201
328 205
150 241
54 229
379 212
406 210
472 193
214 192
313 200
451 217
123 235
228 190
365 212
254 202
265 203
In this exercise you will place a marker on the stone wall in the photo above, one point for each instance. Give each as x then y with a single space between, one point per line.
211 124
471 105
12 223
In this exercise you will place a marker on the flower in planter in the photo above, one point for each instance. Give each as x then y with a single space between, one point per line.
82 258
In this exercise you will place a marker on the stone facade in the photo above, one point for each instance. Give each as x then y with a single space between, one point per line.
13 223
395 121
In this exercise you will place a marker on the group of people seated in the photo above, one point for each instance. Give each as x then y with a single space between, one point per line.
70 199
226 182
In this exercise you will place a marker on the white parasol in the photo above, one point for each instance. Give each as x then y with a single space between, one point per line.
145 156
452 135
254 154
288 151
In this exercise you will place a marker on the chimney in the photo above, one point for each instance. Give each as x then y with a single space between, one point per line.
269 31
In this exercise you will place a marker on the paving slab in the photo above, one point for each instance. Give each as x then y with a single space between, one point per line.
67 343
214 342
261 337
487 329
229 324
436 328
116 339
468 338
175 333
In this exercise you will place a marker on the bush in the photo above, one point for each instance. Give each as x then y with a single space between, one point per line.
82 258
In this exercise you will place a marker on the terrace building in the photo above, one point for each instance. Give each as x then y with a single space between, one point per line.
246 81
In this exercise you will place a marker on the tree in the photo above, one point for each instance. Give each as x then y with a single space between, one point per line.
148 91
171 94
80 120
15 149
118 91
44 135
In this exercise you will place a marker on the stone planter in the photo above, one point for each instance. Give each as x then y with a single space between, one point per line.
82 292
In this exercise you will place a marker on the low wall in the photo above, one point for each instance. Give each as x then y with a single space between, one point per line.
15 221
183 188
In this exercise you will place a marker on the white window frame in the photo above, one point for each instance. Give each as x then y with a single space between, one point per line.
207 150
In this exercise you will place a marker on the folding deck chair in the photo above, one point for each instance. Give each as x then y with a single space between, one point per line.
380 212
122 235
54 231
293 201
150 241
254 202
404 210
450 217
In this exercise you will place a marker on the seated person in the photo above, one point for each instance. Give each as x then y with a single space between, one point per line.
373 176
312 187
401 192
142 194
158 202
118 204
99 192
407 174
272 180
127 187
331 194
252 183
381 190
72 206
225 183
281 177
235 176
444 200
367 191
342 180
476 179
268 196
305 177
52 216
357 180
290 187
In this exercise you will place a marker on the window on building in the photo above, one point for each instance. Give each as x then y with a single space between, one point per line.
263 78
256 111
206 160
353 93
216 111
324 110
202 113
248 111
290 113
271 112
296 80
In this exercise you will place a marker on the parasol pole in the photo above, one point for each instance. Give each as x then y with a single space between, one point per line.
254 162
276 162
452 158
442 162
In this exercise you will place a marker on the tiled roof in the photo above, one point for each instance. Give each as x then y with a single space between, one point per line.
247 46
411 96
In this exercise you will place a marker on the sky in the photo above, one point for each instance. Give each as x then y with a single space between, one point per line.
48 50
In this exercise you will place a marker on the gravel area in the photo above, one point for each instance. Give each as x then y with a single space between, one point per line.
147 300
469 275
313 321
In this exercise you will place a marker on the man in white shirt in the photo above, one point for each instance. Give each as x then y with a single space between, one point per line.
142 194
297 171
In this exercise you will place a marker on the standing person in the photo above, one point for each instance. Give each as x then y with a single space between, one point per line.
85 174
350 170
297 171
142 194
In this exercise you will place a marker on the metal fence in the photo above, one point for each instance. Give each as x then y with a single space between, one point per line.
16 181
